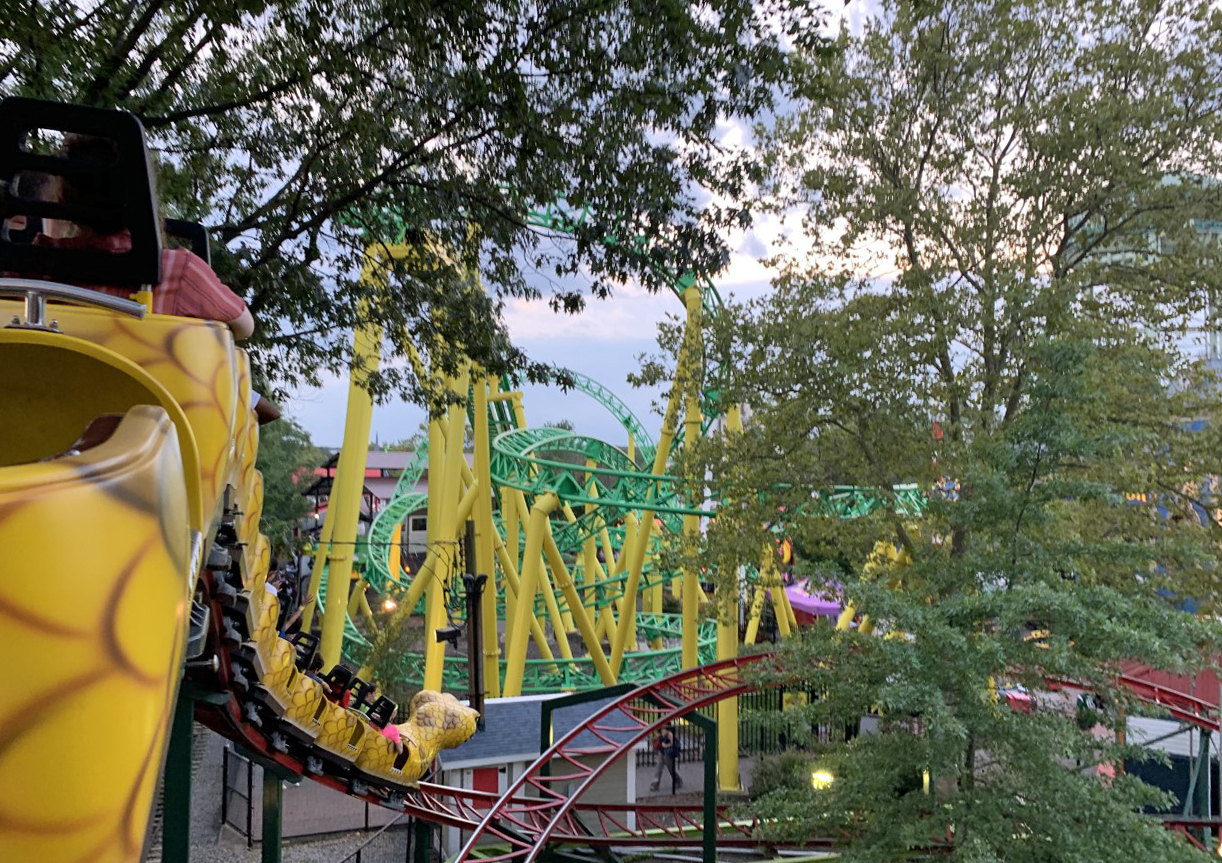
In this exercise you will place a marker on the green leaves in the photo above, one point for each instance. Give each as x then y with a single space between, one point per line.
275 117
1009 209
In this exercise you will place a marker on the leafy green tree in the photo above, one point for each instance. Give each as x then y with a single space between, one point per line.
296 130
287 458
1009 209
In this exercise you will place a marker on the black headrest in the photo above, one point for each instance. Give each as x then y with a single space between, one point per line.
306 645
360 689
127 182
381 711
193 234
339 677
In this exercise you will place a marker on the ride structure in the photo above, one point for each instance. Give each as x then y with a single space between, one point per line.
135 432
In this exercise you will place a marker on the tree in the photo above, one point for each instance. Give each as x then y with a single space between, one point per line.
1008 207
299 132
287 458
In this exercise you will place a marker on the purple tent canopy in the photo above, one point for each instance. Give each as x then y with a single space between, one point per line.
804 603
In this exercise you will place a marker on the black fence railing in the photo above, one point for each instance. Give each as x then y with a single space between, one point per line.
312 811
237 794
766 724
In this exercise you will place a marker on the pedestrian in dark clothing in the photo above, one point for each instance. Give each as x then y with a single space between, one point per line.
666 744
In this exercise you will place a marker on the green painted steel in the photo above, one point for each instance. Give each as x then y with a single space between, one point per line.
572 675
176 779
550 460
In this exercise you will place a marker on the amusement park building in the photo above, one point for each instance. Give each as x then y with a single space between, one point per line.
494 758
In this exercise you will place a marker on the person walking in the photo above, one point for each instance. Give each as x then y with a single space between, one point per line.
666 744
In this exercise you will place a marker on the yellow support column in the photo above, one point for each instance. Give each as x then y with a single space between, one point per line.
753 620
584 626
559 630
512 586
727 598
485 551
509 523
532 563
687 353
349 482
447 533
691 523
771 581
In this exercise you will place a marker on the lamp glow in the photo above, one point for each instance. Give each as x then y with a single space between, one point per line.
821 779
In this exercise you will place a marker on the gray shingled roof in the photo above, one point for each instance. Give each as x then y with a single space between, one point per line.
511 730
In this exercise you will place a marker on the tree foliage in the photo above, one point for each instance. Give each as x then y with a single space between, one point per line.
298 131
287 458
1010 225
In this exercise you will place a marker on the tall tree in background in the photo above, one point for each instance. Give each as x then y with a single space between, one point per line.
1011 213
287 458
295 130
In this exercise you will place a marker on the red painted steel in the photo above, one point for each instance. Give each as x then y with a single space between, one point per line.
556 781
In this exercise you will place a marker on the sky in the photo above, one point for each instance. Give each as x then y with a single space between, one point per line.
603 342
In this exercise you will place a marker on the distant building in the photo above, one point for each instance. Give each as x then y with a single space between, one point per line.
383 468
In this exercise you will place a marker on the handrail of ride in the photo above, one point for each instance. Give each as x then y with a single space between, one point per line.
36 291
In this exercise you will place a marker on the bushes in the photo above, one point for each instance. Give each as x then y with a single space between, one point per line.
786 771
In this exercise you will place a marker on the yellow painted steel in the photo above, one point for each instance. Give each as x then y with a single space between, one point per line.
396 551
510 561
485 548
105 652
687 356
582 620
344 508
510 574
531 565
559 630
446 530
691 523
753 615
727 598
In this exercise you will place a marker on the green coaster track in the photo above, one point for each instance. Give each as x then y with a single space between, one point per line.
601 484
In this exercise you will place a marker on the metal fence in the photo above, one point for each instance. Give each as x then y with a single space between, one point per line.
765 725
312 811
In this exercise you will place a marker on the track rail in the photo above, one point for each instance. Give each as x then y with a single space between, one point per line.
555 782
543 805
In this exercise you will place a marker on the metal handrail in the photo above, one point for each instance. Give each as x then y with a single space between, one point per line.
36 292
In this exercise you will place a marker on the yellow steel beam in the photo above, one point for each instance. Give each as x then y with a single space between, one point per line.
349 480
451 486
510 573
584 626
727 598
509 520
532 563
691 523
753 618
559 630
485 550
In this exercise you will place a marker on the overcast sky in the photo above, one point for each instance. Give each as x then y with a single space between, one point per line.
603 343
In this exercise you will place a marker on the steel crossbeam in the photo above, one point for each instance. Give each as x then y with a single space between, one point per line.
553 812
